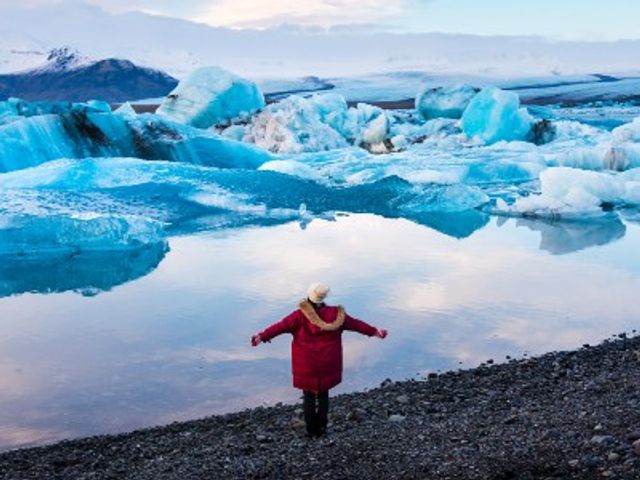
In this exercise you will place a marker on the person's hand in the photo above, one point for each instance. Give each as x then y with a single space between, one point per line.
256 340
381 333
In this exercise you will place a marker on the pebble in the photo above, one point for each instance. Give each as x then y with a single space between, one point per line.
613 457
636 447
601 439
402 399
396 417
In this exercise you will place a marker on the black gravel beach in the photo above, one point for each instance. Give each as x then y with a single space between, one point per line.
573 415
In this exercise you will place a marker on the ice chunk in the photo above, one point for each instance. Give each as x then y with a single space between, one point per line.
22 108
444 102
29 234
494 115
99 106
291 167
399 142
299 124
600 157
571 192
375 133
126 109
32 141
211 96
318 123
629 132
234 132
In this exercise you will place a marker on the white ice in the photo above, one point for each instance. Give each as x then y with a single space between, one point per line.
571 192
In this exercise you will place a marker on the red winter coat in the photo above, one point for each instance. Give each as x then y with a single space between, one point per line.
316 349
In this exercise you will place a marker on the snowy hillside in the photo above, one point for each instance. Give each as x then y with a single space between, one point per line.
66 75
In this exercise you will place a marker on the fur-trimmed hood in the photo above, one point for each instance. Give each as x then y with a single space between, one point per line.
310 314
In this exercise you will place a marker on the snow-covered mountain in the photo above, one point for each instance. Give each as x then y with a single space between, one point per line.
67 75
177 46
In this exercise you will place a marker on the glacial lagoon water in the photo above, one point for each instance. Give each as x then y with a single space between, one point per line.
108 342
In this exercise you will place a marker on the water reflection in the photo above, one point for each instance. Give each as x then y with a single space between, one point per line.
564 237
173 344
87 273
454 224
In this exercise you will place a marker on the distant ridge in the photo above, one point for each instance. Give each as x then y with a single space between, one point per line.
69 76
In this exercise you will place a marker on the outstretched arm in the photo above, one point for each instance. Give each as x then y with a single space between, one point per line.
287 325
364 328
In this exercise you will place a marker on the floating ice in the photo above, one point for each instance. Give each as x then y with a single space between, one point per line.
126 109
494 115
572 192
27 234
32 141
291 167
299 124
444 102
629 132
22 108
211 96
15 109
178 195
319 123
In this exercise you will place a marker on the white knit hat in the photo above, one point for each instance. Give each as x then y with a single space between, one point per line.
318 292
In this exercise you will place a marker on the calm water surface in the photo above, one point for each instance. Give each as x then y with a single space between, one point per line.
170 339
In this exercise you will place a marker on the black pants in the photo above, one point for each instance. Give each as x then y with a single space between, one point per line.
315 416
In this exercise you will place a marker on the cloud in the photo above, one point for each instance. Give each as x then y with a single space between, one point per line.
325 13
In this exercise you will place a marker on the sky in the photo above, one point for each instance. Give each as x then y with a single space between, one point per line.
558 19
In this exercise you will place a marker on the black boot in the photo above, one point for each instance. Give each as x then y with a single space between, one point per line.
322 414
310 414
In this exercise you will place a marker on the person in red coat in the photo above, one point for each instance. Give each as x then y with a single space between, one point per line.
316 351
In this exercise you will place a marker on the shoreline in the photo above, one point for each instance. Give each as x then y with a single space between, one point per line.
572 414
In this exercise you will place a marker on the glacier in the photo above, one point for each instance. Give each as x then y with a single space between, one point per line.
210 96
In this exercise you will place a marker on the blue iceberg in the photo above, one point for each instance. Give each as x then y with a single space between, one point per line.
494 115
211 96
39 139
444 102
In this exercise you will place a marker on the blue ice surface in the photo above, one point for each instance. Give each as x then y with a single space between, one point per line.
15 109
493 115
124 202
211 96
82 181
35 140
444 102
